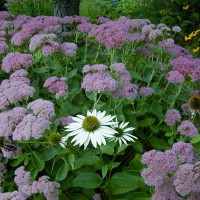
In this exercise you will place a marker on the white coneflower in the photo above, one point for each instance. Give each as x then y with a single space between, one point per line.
122 135
94 127
56 138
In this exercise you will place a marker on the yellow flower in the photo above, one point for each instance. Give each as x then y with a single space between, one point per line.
186 7
196 49
188 38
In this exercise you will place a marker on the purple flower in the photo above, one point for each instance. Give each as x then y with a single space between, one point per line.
85 27
187 128
143 51
9 119
39 39
184 179
49 47
49 189
128 90
14 91
194 196
163 27
14 61
176 29
166 191
56 86
99 82
118 67
154 34
42 108
3 47
166 43
30 126
125 77
97 197
64 120
5 15
172 117
102 20
183 65
68 49
94 68
10 154
112 34
15 195
159 165
146 91
184 151
148 28
175 77
137 37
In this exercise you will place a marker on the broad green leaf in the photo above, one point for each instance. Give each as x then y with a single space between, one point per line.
91 95
106 149
156 109
87 180
71 74
122 148
87 160
19 159
195 139
158 143
123 182
137 145
62 172
49 154
37 161
146 122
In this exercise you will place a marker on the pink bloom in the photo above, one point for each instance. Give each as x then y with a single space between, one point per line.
42 108
187 128
172 117
56 86
14 61
68 49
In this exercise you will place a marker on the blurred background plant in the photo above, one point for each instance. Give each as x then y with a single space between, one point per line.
30 7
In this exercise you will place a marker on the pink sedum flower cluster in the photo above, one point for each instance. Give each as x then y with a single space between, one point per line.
15 61
56 86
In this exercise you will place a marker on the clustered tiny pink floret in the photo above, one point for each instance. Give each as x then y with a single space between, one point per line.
56 86
28 188
16 60
14 90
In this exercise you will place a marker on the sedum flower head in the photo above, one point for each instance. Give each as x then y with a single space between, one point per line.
122 135
94 127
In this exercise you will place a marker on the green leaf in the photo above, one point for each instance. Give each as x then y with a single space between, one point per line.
146 122
158 143
71 74
37 161
49 154
121 148
71 160
91 95
156 109
123 182
106 149
87 160
195 139
40 70
137 145
62 172
87 180
19 160
104 170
